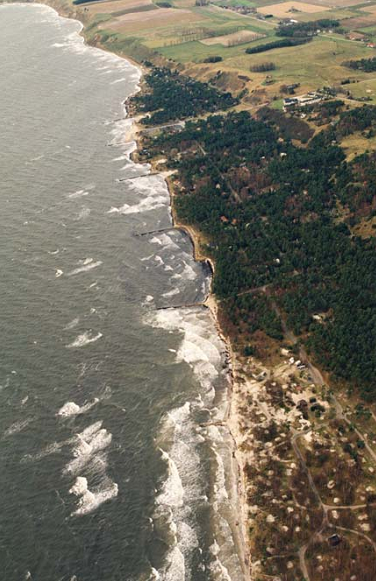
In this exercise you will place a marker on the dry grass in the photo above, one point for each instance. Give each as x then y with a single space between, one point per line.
359 22
370 9
365 228
162 17
337 3
241 37
115 6
356 144
286 9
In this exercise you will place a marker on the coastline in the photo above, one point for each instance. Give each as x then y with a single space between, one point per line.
288 445
232 418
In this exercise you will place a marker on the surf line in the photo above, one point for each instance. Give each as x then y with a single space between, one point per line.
210 302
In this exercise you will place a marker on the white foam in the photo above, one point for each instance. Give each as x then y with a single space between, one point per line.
91 500
172 492
119 81
78 194
153 202
88 264
119 158
17 427
174 570
70 408
164 240
72 324
171 293
83 213
216 567
85 339
188 273
155 193
159 259
86 446
121 132
200 346
154 575
181 490
47 451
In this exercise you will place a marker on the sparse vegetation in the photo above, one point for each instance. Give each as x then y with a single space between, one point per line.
262 67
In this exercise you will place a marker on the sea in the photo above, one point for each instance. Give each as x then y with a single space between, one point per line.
115 464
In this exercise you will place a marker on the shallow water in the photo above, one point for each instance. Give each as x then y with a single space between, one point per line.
106 469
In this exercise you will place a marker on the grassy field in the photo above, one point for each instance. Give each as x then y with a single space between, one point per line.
187 34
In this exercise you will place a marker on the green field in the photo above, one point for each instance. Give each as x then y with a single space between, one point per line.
177 37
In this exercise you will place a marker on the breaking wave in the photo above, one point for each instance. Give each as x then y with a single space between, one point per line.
85 339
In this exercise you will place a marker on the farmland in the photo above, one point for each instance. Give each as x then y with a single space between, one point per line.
188 33
288 9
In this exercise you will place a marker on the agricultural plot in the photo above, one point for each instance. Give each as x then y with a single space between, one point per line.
140 21
234 39
288 9
304 64
111 7
190 34
369 9
359 22
337 3
195 52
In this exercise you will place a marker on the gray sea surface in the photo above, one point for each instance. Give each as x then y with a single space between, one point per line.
108 471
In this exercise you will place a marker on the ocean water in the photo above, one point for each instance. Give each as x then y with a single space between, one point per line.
109 470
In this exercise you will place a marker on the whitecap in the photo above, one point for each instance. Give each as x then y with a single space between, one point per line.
155 193
159 259
164 240
90 500
78 194
118 81
172 492
83 213
216 567
70 408
188 273
17 427
72 324
87 451
171 293
199 346
85 267
85 339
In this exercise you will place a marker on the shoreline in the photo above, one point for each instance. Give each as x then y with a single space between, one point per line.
231 419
